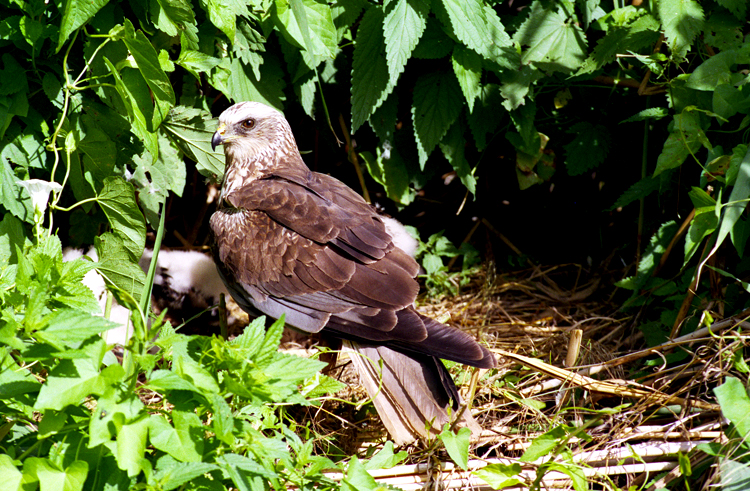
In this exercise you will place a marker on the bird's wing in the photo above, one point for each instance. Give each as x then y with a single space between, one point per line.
313 251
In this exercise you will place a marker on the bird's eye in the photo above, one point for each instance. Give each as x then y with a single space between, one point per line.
248 124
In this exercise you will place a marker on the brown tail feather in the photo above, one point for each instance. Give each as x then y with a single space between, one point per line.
412 393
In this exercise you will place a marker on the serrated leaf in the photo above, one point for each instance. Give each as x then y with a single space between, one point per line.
221 14
270 345
644 31
117 200
75 14
191 130
117 265
478 26
69 328
434 43
685 137
196 62
437 103
588 149
637 191
737 7
371 80
682 21
467 66
307 24
242 85
403 26
554 41
453 145
485 118
171 474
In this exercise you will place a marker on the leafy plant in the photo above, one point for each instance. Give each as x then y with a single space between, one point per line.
438 278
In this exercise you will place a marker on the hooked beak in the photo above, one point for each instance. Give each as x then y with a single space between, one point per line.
218 137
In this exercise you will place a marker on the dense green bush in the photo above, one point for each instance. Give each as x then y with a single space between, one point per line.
113 101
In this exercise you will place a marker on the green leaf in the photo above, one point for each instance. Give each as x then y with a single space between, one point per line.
52 476
713 72
69 328
390 170
357 478
148 63
729 100
242 85
588 149
737 7
457 445
433 44
685 137
14 380
371 80
555 42
13 197
195 62
72 380
221 14
485 118
650 113
682 21
171 474
500 476
131 446
735 405
189 368
656 248
437 103
75 14
702 225
135 103
467 65
637 191
453 146
117 265
117 199
403 26
644 31
191 130
544 444
307 24
10 477
156 179
478 26
270 346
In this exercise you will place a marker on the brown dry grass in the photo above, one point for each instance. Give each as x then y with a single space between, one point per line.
639 407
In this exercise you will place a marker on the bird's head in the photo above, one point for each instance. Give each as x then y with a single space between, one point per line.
253 132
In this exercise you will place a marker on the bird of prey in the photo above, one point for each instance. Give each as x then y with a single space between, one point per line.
295 242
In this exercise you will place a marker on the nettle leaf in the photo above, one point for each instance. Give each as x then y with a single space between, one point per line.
737 7
516 85
196 62
69 328
191 129
172 16
478 26
682 21
371 82
588 149
389 169
156 179
307 24
453 146
555 42
434 43
637 191
221 14
437 103
13 197
75 14
269 88
485 118
685 137
467 65
404 23
643 32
